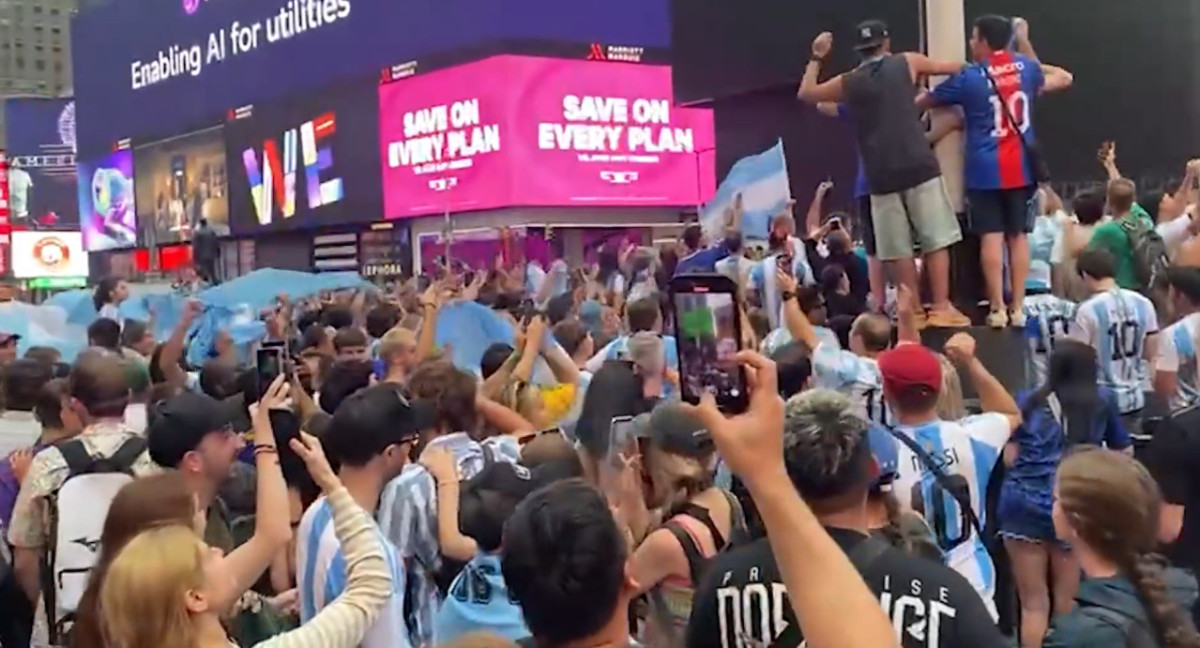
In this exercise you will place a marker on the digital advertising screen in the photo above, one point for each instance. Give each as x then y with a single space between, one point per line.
517 130
40 135
48 254
150 68
107 220
177 182
306 162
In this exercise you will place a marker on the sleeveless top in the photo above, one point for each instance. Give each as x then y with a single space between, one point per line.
891 138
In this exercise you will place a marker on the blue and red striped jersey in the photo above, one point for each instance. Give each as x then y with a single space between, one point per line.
995 157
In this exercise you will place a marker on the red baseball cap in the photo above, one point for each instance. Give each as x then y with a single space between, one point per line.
910 365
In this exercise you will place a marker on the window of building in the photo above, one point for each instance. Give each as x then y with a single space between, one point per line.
40 65
20 62
37 9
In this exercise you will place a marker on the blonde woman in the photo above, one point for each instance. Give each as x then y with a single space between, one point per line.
167 589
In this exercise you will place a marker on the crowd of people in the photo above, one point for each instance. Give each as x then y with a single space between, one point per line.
372 491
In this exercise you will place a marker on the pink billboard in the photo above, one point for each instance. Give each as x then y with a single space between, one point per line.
528 131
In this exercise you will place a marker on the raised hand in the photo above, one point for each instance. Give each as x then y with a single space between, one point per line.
822 45
751 443
309 449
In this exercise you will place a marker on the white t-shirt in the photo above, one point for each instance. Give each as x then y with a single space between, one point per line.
967 451
1174 233
112 312
18 430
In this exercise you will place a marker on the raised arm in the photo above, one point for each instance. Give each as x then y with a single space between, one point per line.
922 66
794 318
811 89
342 623
824 588
272 526
993 396
812 220
1056 78
172 351
828 108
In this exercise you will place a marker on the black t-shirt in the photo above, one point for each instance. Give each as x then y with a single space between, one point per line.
1174 460
743 597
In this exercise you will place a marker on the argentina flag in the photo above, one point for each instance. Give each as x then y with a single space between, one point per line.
762 181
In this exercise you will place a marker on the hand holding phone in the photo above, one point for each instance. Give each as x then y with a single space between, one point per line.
708 328
268 365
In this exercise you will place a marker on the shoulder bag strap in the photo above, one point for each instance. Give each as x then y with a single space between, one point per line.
76 456
695 558
128 453
1008 116
942 479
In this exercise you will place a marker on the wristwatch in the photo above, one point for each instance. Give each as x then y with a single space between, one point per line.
786 295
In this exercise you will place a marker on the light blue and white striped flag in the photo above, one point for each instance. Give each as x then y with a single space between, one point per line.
762 181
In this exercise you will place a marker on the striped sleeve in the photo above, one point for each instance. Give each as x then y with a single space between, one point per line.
343 623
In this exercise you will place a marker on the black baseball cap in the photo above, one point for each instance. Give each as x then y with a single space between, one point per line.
489 498
671 429
177 425
870 34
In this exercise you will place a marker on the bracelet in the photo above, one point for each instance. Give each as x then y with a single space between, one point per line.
787 296
265 449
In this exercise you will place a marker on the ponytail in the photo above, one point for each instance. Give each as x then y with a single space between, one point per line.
1174 626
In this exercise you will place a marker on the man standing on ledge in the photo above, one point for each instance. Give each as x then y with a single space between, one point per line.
997 96
902 173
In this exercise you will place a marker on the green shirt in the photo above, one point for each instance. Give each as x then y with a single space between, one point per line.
1112 238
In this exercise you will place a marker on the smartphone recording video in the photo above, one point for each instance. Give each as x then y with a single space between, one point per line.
708 326
786 264
268 364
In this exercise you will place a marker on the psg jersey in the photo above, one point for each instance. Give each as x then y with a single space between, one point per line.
995 156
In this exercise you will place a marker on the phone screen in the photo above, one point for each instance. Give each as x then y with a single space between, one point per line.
786 264
708 328
268 365
620 438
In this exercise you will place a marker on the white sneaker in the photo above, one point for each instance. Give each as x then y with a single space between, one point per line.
1016 319
997 319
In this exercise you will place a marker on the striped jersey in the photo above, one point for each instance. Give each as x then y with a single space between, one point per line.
408 517
995 156
967 451
1047 320
855 376
321 577
1116 323
1177 355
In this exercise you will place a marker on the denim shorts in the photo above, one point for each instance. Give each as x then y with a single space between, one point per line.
1024 514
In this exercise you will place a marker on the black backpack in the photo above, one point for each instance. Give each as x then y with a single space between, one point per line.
1150 258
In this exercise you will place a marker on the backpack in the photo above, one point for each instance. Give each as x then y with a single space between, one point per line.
1150 259
78 509
698 563
1137 633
